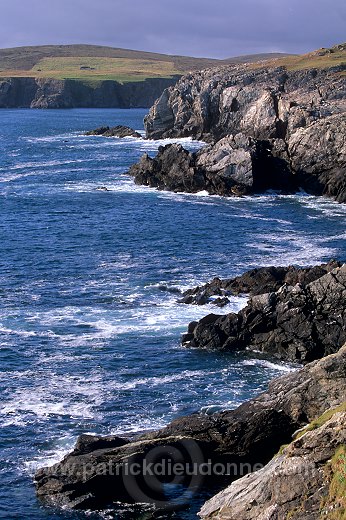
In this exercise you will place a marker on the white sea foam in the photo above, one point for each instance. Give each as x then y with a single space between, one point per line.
150 382
51 394
281 367
59 449
290 247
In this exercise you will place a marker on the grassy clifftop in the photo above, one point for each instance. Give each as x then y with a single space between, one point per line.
319 59
91 63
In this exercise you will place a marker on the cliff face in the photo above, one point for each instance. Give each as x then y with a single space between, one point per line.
263 104
307 481
294 119
53 93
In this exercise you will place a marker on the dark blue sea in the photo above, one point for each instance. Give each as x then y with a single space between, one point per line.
89 333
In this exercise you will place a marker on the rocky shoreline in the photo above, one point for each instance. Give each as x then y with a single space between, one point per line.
299 322
268 128
95 476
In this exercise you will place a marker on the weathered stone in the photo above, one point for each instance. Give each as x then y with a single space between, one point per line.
296 484
292 125
257 281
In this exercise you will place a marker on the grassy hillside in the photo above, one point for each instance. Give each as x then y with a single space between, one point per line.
96 63
92 64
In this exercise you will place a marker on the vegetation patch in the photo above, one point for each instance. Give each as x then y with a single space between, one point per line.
334 506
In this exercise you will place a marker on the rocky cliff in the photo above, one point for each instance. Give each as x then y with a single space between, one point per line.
306 481
53 93
273 128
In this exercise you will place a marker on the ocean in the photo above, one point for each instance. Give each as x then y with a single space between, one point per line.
89 321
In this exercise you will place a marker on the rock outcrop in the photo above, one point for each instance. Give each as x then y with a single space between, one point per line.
296 323
254 282
306 481
234 166
114 131
53 93
94 475
291 125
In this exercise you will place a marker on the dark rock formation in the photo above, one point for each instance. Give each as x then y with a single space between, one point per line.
93 475
114 131
256 281
53 93
307 481
294 122
233 166
296 323
173 169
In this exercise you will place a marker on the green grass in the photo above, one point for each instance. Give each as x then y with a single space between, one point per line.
120 69
320 59
124 65
334 506
320 421
99 69
24 59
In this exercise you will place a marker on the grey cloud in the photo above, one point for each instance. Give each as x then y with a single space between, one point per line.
220 28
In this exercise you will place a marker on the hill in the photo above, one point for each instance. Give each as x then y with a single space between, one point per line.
97 63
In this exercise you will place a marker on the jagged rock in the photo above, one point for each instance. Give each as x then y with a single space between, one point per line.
297 484
173 169
114 131
261 103
294 122
296 323
92 476
256 281
234 166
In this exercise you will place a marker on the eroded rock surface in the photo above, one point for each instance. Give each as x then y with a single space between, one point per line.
256 281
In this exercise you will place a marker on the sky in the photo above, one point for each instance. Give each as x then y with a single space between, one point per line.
209 28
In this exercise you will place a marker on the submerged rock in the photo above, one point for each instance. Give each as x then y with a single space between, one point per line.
300 322
95 474
115 131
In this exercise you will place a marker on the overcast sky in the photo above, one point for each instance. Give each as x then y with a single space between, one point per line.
211 28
